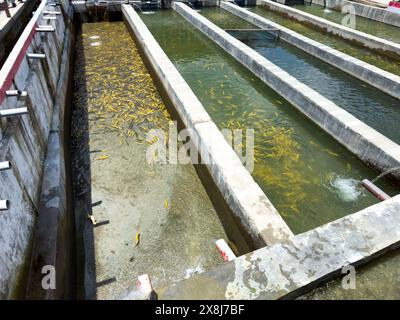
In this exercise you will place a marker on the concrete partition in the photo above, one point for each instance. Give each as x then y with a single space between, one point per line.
366 143
380 45
286 271
247 201
376 77
33 143
363 10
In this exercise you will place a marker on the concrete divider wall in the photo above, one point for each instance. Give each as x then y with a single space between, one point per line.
380 45
363 10
29 142
370 146
12 30
242 194
378 78
291 269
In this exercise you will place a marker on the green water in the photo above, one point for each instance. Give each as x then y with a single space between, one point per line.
337 43
307 175
370 105
379 279
376 28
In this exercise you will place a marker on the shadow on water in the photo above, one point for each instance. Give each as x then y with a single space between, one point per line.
81 180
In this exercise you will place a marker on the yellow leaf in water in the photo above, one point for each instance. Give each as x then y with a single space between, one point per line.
137 239
332 153
102 158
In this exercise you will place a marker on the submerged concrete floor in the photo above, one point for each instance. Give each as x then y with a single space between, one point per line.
165 204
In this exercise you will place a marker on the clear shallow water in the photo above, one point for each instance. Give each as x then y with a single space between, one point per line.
309 177
166 206
337 43
370 105
373 27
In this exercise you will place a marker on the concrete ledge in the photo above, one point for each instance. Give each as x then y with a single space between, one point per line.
289 270
244 197
51 241
378 78
363 141
381 45
15 25
363 10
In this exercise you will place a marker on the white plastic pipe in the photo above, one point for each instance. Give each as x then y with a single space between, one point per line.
5 165
49 18
15 93
13 112
45 29
36 55
4 205
225 251
51 12
143 283
375 190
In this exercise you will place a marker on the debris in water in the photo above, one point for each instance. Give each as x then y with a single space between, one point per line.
137 239
92 218
189 272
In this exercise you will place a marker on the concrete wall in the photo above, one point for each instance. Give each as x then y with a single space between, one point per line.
383 80
363 10
370 146
244 197
32 143
382 46
289 270
12 30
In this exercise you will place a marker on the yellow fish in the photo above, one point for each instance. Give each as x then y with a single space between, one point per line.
102 158
166 203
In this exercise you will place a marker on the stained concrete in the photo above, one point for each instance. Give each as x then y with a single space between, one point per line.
245 198
363 10
370 146
11 28
288 270
376 77
381 45
25 143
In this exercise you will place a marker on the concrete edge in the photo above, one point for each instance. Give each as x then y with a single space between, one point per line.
374 76
286 271
367 40
366 143
242 194
12 57
22 15
51 243
364 10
